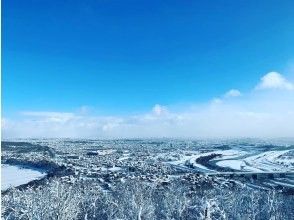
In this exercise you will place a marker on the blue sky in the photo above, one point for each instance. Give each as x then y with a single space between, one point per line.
121 58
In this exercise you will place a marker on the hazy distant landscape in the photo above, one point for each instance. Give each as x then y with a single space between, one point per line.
148 179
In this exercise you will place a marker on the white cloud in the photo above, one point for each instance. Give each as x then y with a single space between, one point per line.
159 110
216 101
232 93
229 94
50 116
267 114
274 80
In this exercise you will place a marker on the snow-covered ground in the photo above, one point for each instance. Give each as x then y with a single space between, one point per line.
241 160
124 157
113 169
234 164
237 165
12 176
190 157
270 161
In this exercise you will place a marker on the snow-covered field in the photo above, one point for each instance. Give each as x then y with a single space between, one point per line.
12 176
271 161
241 160
234 164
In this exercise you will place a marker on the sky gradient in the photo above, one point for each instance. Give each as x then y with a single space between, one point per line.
107 65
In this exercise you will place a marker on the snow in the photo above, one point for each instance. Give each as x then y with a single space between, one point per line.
277 160
113 169
237 165
105 152
266 161
229 154
269 161
125 157
225 155
234 164
12 176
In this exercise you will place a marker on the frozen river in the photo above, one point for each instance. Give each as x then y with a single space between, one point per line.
12 176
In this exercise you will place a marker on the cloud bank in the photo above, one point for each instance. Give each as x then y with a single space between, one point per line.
265 111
